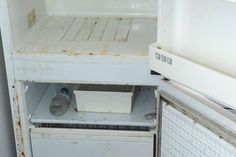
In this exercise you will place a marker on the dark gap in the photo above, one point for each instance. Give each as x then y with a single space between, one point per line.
155 145
93 126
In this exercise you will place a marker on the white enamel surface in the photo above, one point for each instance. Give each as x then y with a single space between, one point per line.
98 70
144 104
101 50
91 36
18 11
195 76
182 136
104 101
61 28
201 104
102 7
199 36
96 143
200 30
7 145
56 67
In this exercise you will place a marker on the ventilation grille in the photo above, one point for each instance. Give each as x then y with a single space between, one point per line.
183 137
92 126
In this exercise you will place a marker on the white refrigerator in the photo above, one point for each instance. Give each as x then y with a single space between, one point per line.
179 55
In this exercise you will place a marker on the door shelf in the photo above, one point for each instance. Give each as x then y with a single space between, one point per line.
144 104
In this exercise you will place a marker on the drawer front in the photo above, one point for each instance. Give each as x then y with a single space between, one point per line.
47 145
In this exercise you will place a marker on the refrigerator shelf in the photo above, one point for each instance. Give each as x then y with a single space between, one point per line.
144 105
90 36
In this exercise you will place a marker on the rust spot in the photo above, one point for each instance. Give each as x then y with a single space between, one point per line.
17 99
72 53
22 154
19 124
104 52
105 48
20 140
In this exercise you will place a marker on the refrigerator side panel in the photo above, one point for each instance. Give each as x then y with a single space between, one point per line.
7 145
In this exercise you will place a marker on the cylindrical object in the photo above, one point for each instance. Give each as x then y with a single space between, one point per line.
60 102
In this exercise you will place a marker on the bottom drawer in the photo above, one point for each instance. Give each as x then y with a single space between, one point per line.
74 143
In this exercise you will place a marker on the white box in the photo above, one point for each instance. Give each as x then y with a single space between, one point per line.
104 98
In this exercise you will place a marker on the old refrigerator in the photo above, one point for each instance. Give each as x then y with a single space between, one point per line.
179 55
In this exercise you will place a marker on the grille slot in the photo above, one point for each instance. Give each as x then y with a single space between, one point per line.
92 126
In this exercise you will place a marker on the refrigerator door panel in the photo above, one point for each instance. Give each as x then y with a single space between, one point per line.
192 126
196 46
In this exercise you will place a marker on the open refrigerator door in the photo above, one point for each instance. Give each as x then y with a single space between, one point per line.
196 46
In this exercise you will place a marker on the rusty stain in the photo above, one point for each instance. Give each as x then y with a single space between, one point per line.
19 124
19 129
17 99
105 48
72 53
22 154
31 18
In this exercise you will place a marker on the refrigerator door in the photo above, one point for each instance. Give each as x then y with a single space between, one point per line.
191 125
196 46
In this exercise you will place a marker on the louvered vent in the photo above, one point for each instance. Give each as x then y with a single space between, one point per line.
92 126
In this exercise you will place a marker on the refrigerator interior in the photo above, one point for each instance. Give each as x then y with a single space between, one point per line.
105 133
83 27
38 97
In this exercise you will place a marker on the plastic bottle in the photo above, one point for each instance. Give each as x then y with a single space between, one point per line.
60 102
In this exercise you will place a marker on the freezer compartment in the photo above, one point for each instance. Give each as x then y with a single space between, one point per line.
104 98
49 143
142 117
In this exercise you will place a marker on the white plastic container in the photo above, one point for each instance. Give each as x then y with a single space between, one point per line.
104 98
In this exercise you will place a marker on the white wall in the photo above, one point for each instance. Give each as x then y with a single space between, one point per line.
7 144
